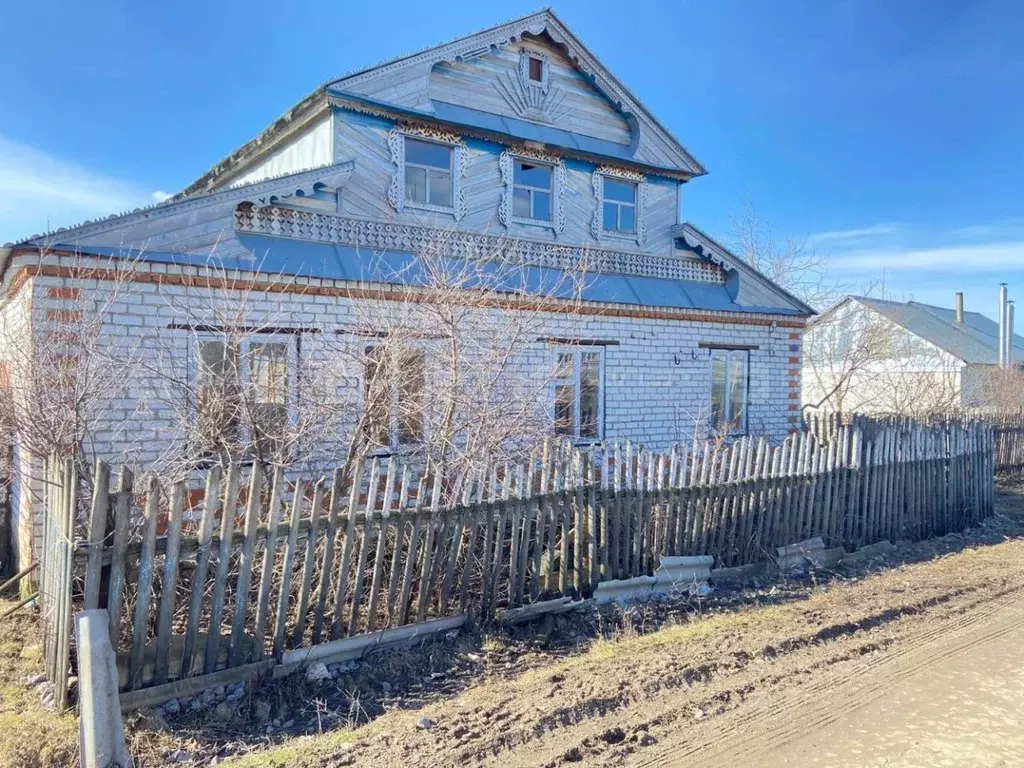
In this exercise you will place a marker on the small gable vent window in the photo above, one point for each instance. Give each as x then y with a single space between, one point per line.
536 70
532 189
619 206
428 173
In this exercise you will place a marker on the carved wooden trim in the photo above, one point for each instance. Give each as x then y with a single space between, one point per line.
524 69
597 222
396 189
412 238
506 165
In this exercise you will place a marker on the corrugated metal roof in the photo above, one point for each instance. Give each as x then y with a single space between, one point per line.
271 255
975 341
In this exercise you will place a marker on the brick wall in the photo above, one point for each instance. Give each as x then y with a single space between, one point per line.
657 373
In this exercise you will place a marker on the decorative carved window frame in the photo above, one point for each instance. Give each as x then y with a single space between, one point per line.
597 222
396 190
524 69
507 165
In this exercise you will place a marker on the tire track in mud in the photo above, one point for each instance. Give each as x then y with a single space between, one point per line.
564 722
762 729
592 747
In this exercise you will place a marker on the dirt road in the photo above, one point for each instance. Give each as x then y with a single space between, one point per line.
909 662
954 697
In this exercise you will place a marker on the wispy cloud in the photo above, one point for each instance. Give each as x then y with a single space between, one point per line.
977 257
39 191
844 236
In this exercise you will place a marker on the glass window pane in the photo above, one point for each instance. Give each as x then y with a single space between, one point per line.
737 389
268 377
542 206
623 191
565 408
411 383
521 203
532 175
416 185
219 394
377 398
590 385
563 365
718 376
611 216
626 218
428 153
536 70
440 188
268 372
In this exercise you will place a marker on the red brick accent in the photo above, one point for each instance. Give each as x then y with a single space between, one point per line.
64 292
195 498
794 371
385 294
794 336
794 361
64 315
794 395
794 407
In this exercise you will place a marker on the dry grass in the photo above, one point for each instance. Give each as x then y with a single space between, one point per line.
32 735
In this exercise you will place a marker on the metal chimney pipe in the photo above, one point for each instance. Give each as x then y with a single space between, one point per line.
960 307
1002 325
1010 334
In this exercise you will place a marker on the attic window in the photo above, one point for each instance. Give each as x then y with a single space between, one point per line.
536 70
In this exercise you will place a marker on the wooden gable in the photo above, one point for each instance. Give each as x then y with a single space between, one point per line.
481 72
499 82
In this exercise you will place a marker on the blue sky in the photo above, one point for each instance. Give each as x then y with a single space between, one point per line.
890 134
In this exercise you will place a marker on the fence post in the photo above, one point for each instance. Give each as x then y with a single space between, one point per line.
100 728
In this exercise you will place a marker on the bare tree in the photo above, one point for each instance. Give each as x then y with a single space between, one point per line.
792 262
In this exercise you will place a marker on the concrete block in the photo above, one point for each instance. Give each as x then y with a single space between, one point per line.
624 590
678 573
800 554
742 574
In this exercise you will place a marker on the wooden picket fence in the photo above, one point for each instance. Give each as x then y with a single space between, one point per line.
1007 429
1008 434
266 564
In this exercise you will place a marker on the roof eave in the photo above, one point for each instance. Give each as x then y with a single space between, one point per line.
364 104
291 122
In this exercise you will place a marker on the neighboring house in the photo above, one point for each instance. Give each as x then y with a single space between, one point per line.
872 355
514 139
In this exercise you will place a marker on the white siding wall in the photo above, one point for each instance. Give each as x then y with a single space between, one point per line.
311 149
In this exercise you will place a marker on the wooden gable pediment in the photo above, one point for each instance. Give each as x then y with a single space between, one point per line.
484 72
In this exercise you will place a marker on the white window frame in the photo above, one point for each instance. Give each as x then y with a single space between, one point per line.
728 353
394 444
506 213
244 340
426 205
396 190
597 229
577 351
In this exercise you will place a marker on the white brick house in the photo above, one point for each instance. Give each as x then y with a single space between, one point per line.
512 139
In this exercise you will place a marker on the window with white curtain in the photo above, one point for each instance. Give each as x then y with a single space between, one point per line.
729 385
577 392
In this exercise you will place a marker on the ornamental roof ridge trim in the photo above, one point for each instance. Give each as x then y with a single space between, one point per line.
467 47
277 221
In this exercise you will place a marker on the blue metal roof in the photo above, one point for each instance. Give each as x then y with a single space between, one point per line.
490 122
522 129
272 255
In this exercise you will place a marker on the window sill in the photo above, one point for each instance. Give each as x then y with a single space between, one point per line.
450 210
546 223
